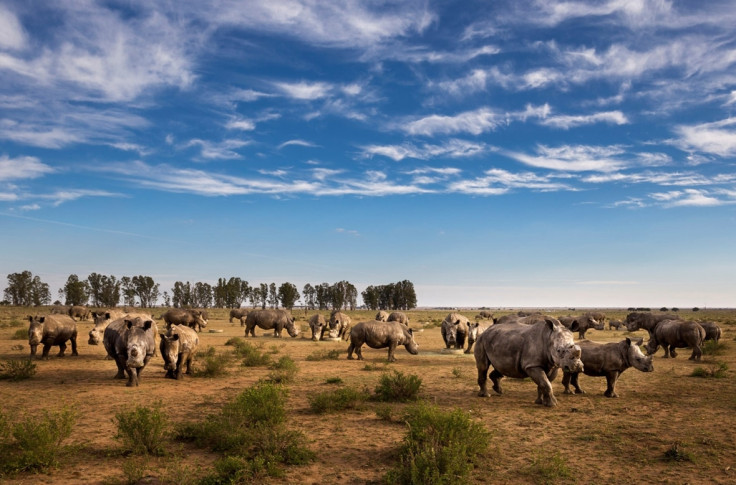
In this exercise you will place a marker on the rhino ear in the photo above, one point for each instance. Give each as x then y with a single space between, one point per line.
411 332
42 319
147 325
574 326
128 323
628 342
107 315
175 337
640 341
30 318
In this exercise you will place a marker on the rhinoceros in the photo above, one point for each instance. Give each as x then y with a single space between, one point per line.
317 324
474 331
131 344
379 335
398 317
647 321
188 317
484 315
178 347
454 330
585 323
60 310
102 320
52 330
240 314
712 330
278 320
382 316
338 326
80 312
672 334
615 324
609 360
520 350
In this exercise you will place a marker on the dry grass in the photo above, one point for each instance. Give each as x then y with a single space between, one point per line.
624 440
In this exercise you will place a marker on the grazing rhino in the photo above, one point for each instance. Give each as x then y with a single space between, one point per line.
240 314
178 347
188 317
484 315
474 330
60 310
615 324
131 344
339 326
454 330
398 317
278 320
317 324
672 334
52 330
609 360
519 350
379 335
102 320
712 331
584 322
382 316
647 321
80 312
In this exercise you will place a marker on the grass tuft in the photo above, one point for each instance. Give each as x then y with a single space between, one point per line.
17 370
396 386
143 430
211 364
336 400
715 370
549 469
677 453
324 355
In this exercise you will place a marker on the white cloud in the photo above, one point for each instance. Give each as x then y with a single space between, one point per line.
577 158
473 122
689 198
680 179
454 148
498 181
21 168
571 121
305 91
12 34
296 142
718 138
224 150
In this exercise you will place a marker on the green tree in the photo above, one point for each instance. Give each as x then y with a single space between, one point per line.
310 295
371 297
103 290
74 291
273 295
255 296
145 289
323 296
202 295
288 295
181 294
263 295
126 286
24 289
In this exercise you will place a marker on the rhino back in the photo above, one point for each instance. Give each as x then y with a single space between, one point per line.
598 359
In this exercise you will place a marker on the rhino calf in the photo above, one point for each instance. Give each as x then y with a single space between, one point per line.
317 324
131 344
240 314
382 316
454 330
379 335
398 317
712 330
615 324
192 318
80 312
609 361
672 334
178 347
52 330
474 331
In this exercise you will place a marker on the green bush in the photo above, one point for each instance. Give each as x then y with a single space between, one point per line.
336 400
252 356
283 371
17 370
211 364
324 355
250 431
717 370
440 447
676 452
20 334
143 430
398 387
711 347
34 443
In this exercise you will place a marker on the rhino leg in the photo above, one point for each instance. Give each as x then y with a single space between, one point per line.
496 378
571 378
673 352
460 341
391 350
470 346
190 358
696 354
34 349
351 347
183 359
62 349
132 377
611 379
120 362
358 351
544 388
45 353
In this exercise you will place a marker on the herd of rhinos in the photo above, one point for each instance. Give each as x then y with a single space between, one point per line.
518 346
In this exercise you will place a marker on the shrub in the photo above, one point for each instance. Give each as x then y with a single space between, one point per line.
135 469
324 355
252 356
36 440
17 370
385 412
398 387
20 334
283 371
676 452
711 347
143 430
211 364
336 400
440 447
370 367
716 370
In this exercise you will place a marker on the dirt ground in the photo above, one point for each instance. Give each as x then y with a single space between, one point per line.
592 439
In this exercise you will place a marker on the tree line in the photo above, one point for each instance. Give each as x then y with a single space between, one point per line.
24 289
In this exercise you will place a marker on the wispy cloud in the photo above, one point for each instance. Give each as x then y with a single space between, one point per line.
573 158
224 150
305 91
453 148
21 168
498 182
12 34
348 232
718 138
297 142
571 121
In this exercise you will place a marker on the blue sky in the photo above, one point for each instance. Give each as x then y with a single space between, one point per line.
499 153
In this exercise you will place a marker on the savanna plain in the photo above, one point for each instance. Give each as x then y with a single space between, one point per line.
674 425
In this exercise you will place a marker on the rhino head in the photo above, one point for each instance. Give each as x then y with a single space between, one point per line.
410 344
291 328
652 346
199 319
171 350
473 331
137 345
35 332
565 353
636 358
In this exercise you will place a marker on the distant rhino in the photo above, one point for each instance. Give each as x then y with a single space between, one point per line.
317 324
672 334
189 317
379 335
712 331
484 315
647 321
609 360
60 310
454 330
474 331
338 326
52 330
240 314
382 316
398 317
519 350
615 324
276 320
584 322
80 312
